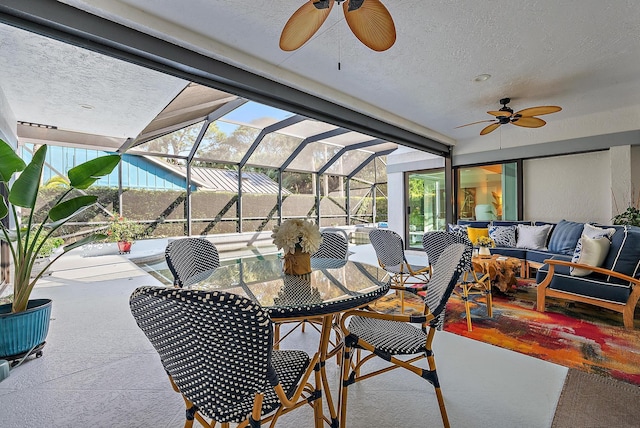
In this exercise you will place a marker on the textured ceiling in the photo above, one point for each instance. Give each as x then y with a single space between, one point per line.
583 55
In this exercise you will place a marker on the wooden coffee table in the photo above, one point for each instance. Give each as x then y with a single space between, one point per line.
502 270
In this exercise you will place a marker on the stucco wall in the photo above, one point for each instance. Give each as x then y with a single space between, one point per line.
571 187
635 171
395 184
8 124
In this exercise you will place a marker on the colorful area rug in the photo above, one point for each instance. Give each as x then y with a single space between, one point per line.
574 335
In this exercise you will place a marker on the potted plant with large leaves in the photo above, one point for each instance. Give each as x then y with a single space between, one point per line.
26 241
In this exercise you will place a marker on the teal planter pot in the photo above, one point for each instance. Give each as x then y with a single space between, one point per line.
23 331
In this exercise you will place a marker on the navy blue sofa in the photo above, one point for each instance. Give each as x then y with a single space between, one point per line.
615 285
530 258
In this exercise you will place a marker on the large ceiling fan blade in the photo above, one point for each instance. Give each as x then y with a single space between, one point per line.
529 122
303 24
537 111
475 123
371 23
498 113
490 128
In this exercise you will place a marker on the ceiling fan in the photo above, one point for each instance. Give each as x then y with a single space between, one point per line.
369 21
524 118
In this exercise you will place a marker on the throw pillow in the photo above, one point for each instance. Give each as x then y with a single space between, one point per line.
591 232
503 236
476 232
565 237
458 228
623 256
592 252
596 232
533 237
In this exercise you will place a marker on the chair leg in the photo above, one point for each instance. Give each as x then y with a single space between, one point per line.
467 307
276 336
347 354
436 384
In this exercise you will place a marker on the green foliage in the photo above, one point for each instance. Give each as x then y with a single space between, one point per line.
34 237
630 217
48 246
121 229
56 182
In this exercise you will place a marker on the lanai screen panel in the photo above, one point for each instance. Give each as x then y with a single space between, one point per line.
274 149
226 142
177 143
314 156
352 159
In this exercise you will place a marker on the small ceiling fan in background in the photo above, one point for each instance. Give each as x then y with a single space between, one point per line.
524 118
369 21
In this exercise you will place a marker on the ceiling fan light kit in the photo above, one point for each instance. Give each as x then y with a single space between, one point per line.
524 118
369 20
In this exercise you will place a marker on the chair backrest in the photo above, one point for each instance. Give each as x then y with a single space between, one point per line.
335 245
389 247
189 257
216 346
450 265
436 241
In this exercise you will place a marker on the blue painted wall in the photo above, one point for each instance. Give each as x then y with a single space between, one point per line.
137 172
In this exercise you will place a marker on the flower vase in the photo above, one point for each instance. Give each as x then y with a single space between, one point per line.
484 252
124 247
298 263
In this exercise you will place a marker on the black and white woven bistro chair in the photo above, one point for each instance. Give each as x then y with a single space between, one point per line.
191 260
434 243
389 248
392 337
335 245
217 350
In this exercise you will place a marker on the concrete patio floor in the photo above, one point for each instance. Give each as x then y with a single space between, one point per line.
99 370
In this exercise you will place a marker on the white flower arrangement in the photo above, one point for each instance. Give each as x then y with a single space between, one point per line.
294 233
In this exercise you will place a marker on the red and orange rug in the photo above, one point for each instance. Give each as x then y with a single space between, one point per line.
570 334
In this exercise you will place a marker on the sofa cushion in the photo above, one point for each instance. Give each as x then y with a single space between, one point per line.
564 237
458 228
519 253
474 223
593 285
476 232
510 222
624 254
539 256
532 237
592 252
593 232
503 236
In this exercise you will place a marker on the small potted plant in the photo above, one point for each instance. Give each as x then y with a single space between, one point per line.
124 232
24 323
484 243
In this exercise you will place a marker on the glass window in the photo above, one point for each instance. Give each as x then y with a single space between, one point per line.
427 207
488 192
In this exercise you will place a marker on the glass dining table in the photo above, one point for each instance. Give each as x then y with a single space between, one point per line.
333 286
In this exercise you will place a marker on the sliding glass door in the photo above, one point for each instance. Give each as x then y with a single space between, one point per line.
488 192
426 204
